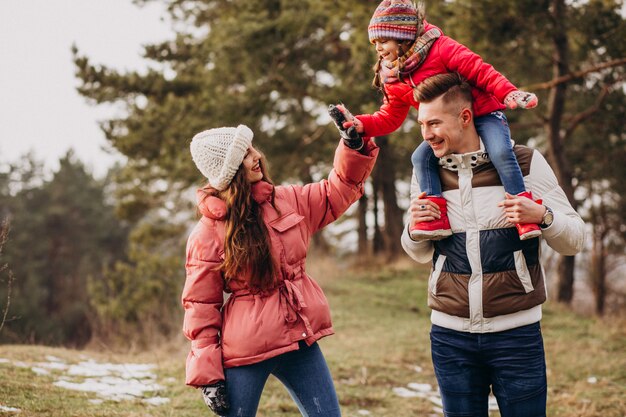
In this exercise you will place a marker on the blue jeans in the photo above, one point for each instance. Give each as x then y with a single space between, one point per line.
493 129
303 372
511 362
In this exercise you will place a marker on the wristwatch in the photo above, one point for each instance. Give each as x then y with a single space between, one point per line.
548 218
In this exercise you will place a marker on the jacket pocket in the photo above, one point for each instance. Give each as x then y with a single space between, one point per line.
434 277
522 271
289 238
286 222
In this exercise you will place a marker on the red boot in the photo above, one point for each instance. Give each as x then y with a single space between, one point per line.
435 229
527 230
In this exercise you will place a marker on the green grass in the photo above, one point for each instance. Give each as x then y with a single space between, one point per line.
381 324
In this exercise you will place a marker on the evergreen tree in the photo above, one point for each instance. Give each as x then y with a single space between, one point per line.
62 231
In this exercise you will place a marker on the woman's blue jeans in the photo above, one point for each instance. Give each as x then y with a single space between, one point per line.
511 363
493 129
304 373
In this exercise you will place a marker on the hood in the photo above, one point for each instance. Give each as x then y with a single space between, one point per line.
213 207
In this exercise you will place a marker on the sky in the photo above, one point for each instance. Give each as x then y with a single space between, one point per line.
40 109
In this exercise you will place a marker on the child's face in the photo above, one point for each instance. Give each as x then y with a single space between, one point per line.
387 49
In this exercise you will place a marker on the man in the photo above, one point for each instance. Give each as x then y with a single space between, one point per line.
487 286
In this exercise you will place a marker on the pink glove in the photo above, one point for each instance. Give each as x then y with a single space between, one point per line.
520 99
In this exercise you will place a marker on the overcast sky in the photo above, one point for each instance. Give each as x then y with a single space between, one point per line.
39 106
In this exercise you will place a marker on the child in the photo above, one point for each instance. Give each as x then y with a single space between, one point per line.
411 50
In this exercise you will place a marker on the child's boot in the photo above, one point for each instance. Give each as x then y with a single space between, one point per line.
527 230
436 229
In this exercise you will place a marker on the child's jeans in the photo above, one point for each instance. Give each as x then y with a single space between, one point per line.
493 129
303 372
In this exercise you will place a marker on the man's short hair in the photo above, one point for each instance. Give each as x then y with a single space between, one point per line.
452 86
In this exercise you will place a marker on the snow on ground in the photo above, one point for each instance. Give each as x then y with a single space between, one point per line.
114 382
9 409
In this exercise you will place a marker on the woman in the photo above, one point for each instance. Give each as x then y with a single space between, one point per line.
251 242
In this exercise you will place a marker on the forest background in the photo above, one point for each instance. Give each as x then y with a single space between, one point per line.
100 260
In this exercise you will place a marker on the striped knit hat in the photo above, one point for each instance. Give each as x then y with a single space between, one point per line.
394 19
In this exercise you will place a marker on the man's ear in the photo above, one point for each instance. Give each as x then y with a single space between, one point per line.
467 116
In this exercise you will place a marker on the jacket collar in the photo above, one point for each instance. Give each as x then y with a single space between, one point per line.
262 191
209 204
469 160
213 207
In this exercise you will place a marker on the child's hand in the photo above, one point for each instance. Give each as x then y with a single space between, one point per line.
520 99
358 125
350 119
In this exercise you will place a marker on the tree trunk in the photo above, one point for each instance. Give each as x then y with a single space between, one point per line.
556 152
378 244
385 176
362 213
598 271
565 284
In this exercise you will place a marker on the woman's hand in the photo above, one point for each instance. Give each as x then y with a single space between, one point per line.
216 398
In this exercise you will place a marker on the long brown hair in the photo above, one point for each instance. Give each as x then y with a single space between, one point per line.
247 249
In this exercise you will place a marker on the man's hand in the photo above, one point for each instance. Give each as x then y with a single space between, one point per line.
521 99
216 398
522 210
423 210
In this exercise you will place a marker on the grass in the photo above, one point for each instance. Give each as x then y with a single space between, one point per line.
381 323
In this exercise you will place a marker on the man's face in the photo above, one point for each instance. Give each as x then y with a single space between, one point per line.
443 126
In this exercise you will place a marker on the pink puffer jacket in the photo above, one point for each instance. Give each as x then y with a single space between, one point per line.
446 55
252 326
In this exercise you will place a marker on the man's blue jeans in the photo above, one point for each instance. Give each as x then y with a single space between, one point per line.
511 363
303 372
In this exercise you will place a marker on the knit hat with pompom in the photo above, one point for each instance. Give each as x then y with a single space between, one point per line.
394 19
219 152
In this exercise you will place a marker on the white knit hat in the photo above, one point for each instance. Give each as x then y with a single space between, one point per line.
219 152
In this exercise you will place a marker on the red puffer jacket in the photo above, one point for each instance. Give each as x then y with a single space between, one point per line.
446 55
252 326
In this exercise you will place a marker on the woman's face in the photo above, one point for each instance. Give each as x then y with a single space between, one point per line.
387 49
252 166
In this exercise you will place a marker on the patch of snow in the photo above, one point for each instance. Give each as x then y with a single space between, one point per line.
112 387
405 392
420 387
592 380
96 401
493 403
52 365
40 371
418 369
363 413
3 360
128 370
170 380
9 409
51 358
156 401
20 364
435 399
